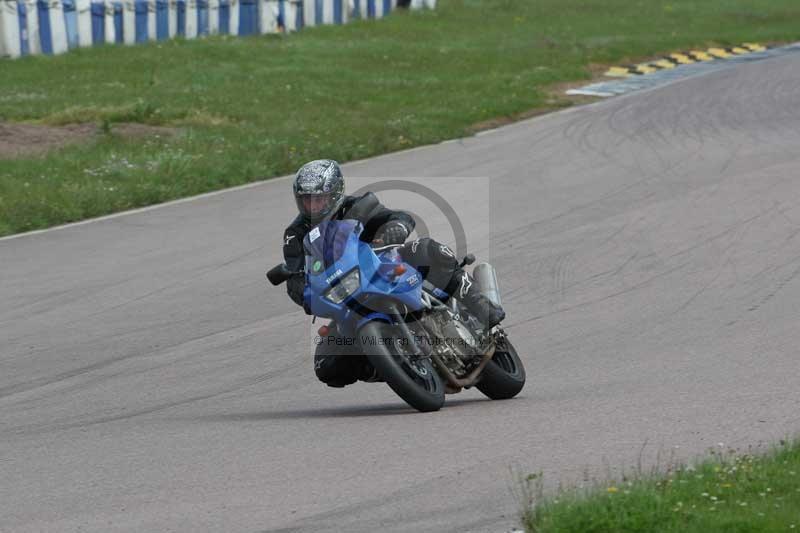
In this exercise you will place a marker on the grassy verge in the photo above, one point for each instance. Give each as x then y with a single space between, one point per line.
253 108
727 493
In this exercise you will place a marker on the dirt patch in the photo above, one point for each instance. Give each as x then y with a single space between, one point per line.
132 129
18 140
29 139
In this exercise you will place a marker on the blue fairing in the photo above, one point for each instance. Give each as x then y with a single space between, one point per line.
333 250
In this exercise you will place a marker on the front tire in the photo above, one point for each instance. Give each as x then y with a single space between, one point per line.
413 379
504 375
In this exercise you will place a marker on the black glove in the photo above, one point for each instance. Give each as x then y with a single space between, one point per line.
394 233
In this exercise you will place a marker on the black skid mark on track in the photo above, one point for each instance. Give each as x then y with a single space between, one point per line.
633 288
328 519
702 289
559 274
17 388
169 286
771 294
255 380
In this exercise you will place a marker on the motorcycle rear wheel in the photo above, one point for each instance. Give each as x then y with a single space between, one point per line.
504 375
413 379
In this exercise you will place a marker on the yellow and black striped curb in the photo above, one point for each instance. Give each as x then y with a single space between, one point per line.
684 58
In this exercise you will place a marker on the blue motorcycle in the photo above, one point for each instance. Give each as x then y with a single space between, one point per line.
421 343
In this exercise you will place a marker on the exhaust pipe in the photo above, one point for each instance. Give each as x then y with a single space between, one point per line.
486 278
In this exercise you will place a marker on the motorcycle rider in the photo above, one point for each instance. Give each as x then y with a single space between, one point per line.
319 192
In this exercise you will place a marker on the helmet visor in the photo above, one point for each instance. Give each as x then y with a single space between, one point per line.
315 206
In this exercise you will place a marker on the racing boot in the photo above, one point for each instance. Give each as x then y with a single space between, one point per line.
367 373
479 305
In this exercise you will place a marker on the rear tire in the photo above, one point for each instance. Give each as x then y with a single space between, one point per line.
414 380
504 375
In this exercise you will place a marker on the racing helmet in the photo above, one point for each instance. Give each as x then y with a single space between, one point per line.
318 189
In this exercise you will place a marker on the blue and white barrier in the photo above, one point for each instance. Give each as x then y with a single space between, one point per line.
420 4
55 26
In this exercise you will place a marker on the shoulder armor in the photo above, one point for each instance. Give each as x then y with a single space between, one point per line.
363 208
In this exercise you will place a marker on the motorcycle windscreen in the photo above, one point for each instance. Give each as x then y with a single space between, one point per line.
328 242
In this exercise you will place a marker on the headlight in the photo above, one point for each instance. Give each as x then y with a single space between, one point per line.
348 284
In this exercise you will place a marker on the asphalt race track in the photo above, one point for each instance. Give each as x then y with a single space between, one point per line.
648 248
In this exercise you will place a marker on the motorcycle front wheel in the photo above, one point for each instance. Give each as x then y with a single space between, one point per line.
411 377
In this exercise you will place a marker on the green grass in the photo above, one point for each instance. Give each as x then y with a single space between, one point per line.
726 493
258 107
